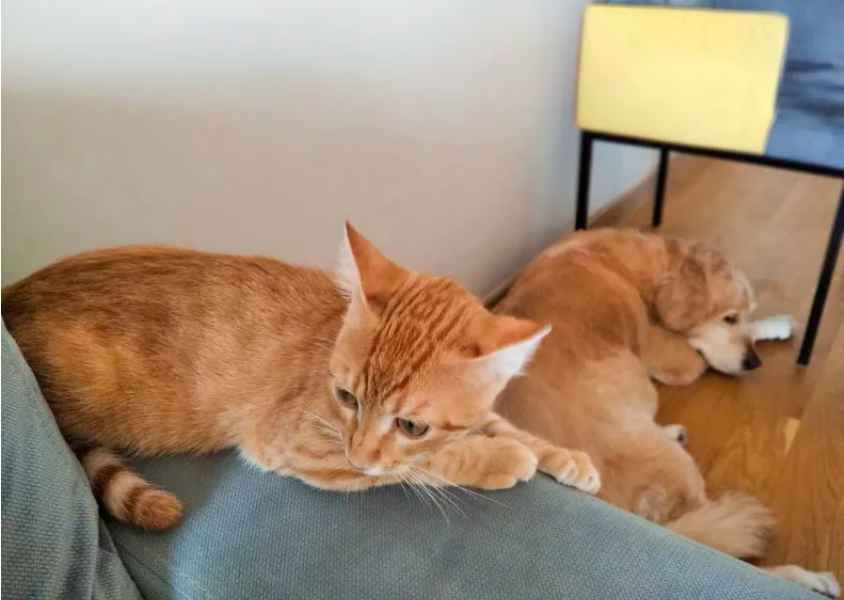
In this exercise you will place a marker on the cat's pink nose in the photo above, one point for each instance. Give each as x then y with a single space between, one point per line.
358 460
358 466
362 458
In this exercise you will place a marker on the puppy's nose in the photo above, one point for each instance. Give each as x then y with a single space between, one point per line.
751 361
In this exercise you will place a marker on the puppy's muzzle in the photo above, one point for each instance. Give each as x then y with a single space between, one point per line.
751 360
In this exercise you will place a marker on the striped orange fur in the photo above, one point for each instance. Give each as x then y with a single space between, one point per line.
388 377
125 495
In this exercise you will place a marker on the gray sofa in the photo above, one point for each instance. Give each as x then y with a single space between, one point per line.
252 535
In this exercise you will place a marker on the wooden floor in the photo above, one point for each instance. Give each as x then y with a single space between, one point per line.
779 432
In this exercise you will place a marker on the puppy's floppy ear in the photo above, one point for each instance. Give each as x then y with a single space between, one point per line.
682 297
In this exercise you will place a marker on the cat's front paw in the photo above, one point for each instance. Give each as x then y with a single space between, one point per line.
508 463
572 468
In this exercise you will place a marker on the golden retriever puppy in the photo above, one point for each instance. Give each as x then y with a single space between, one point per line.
625 308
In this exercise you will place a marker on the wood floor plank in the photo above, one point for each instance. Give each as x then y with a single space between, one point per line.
809 509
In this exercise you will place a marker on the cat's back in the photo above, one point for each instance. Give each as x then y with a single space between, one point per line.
150 281
158 326
162 296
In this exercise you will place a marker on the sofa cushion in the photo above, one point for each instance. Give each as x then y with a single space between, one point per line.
53 543
248 534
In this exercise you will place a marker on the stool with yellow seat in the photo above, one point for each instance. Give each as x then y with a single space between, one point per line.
705 82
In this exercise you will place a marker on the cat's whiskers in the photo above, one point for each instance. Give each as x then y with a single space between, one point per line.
435 482
331 442
325 425
319 418
429 493
460 487
413 487
423 489
443 493
402 481
329 435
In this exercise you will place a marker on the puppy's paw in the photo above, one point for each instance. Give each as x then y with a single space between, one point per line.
678 433
779 327
825 583
572 468
822 583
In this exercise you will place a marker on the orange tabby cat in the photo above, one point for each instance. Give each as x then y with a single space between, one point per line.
389 378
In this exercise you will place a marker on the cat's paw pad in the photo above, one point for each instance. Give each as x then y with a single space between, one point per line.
572 468
779 327
678 433
510 463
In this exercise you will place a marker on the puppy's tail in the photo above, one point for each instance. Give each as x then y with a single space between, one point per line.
736 524
125 495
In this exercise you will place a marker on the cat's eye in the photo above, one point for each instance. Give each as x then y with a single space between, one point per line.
346 397
731 318
412 428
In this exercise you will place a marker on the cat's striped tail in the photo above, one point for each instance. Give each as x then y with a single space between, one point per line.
125 495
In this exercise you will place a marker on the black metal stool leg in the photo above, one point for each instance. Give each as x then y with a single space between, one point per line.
583 176
824 280
662 176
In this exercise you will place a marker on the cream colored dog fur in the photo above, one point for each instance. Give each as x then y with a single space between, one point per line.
626 308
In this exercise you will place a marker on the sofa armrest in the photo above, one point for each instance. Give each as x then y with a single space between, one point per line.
249 534
53 543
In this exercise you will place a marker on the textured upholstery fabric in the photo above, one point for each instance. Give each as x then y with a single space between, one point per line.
53 542
249 534
809 124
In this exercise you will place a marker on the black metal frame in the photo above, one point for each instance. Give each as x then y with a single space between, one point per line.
587 139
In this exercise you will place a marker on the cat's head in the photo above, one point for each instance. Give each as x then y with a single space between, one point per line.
418 361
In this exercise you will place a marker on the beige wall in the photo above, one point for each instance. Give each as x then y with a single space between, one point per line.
441 128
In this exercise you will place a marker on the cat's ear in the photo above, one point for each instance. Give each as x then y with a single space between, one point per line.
365 275
505 345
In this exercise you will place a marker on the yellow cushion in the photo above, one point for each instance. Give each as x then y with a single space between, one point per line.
697 77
